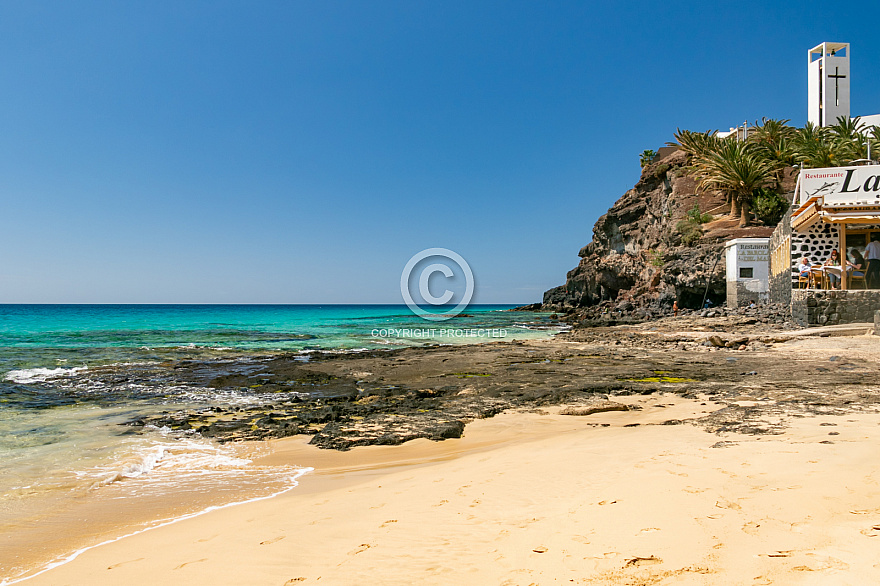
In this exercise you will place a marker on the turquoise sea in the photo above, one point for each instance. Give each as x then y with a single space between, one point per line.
72 375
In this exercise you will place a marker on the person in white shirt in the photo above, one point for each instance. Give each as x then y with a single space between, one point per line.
804 267
872 255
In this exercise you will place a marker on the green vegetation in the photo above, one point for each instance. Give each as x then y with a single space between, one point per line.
646 157
660 379
690 233
695 216
690 229
656 258
769 206
749 173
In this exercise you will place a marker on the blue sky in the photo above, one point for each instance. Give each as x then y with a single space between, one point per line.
302 152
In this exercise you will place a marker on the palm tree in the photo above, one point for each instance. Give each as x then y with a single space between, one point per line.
646 157
737 169
874 137
850 139
697 144
774 141
829 146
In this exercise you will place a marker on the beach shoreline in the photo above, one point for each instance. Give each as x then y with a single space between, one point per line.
572 500
712 429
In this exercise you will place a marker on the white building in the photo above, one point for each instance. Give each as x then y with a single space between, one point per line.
828 83
748 271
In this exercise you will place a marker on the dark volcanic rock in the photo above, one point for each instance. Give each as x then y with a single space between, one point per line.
636 264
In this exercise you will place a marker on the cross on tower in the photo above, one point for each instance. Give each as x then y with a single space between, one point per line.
826 62
836 77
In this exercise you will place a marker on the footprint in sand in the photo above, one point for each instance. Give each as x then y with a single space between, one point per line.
123 563
361 548
873 531
642 561
388 522
751 528
188 563
779 554
525 523
207 538
827 562
273 540
294 581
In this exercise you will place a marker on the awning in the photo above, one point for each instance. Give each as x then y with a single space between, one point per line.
845 218
807 215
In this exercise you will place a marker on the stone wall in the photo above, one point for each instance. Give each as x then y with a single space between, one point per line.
826 308
817 243
744 293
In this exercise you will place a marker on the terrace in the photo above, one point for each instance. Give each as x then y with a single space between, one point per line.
836 208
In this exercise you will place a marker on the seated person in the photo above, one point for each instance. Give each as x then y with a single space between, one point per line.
804 267
858 265
833 261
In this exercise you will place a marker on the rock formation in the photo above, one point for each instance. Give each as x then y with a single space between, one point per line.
637 264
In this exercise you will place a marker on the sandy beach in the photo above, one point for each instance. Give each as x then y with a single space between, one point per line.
537 496
741 464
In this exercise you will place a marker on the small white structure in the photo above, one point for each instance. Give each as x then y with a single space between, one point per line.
748 271
828 85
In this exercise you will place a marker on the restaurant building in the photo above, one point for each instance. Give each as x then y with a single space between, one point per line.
833 209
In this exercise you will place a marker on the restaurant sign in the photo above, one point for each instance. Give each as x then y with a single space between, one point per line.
842 185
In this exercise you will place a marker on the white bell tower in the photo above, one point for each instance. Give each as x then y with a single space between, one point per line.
828 74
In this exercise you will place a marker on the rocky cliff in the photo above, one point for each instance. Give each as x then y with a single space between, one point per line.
637 263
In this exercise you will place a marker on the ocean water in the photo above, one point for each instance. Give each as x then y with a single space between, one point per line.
72 375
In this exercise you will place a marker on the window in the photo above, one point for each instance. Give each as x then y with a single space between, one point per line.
746 272
857 240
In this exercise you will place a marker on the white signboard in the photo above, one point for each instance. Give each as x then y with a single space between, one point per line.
842 185
752 253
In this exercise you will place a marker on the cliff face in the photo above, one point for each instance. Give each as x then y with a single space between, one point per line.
637 263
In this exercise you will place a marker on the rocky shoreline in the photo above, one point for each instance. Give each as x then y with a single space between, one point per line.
747 361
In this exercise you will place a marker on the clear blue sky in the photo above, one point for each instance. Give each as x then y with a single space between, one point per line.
302 152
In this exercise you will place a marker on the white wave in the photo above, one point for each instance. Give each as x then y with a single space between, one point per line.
294 482
38 375
177 459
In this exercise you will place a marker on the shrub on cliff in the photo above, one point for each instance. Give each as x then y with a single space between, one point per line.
769 206
690 233
690 229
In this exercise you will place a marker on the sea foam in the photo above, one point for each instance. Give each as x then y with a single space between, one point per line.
39 375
